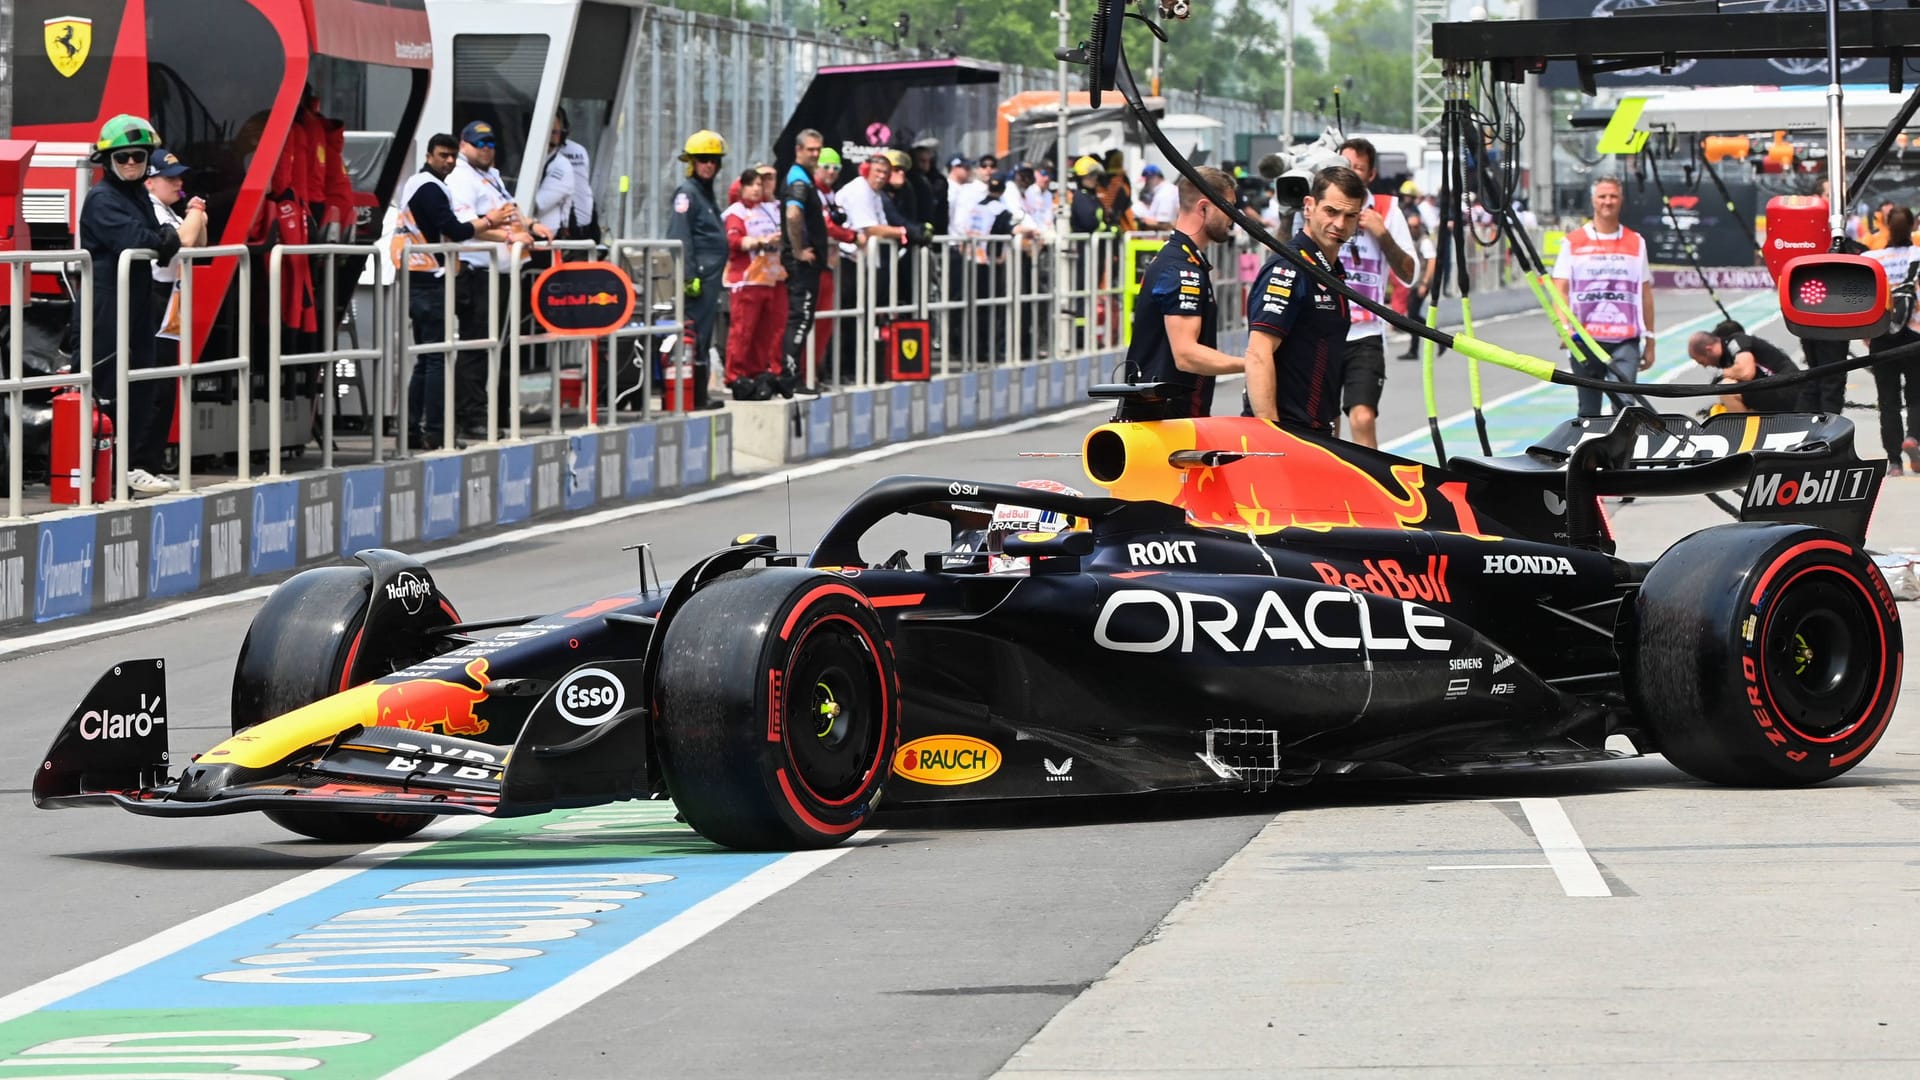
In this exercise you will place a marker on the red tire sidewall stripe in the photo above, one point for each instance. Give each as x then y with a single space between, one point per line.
1877 700
794 801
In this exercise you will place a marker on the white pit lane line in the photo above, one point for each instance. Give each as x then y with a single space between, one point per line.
1566 856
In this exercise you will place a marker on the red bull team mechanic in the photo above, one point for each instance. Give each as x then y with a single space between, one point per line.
1176 319
1296 326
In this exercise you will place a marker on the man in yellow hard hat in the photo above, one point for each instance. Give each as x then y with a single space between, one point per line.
696 223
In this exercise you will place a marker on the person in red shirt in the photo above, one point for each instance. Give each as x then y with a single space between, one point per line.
755 280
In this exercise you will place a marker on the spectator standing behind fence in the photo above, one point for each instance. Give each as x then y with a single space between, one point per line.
695 222
1602 273
583 225
1035 230
477 191
1297 326
992 216
932 190
866 204
758 290
119 216
1159 201
803 254
429 215
1381 245
836 288
553 198
1897 385
1175 317
152 418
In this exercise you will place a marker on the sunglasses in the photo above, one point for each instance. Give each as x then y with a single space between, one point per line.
129 157
485 144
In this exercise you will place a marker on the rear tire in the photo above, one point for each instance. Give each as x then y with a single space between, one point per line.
1769 655
299 650
778 709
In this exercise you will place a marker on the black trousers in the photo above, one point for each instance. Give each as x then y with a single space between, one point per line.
1897 385
803 302
1827 395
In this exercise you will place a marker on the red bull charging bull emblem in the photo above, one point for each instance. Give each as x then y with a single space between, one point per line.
435 704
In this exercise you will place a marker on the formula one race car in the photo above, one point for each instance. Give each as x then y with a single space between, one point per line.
1249 607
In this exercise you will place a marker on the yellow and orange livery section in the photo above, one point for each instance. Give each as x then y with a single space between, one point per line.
418 704
1307 486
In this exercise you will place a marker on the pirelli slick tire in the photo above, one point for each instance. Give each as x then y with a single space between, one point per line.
778 709
1769 655
298 650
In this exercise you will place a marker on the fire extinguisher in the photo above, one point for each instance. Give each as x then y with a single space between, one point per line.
65 481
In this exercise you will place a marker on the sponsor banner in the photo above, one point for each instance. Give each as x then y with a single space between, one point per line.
440 483
319 518
63 569
175 543
273 536
406 502
971 400
819 427
999 404
667 451
583 471
696 451
1719 236
921 407
17 551
947 760
842 426
549 476
949 407
899 425
120 539
722 446
514 466
861 409
1056 382
609 472
1032 399
641 452
362 509
1720 277
226 516
479 488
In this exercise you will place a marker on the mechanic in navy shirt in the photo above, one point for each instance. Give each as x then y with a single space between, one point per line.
1297 327
1175 318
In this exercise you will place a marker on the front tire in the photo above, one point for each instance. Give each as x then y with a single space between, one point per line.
1769 655
778 709
300 649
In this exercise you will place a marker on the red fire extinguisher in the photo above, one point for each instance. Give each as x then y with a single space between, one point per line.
65 481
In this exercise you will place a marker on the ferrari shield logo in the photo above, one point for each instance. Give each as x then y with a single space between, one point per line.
68 41
910 347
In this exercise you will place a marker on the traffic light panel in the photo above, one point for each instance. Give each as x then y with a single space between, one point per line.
1831 297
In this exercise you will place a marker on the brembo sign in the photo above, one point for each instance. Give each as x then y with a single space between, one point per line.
1147 621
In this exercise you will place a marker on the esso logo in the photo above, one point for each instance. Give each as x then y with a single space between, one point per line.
589 697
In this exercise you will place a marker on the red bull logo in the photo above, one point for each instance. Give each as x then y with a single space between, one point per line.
435 704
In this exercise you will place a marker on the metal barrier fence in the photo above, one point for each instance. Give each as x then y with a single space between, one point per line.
184 366
17 383
329 354
448 347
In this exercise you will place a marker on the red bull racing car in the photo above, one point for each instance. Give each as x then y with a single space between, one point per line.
1246 607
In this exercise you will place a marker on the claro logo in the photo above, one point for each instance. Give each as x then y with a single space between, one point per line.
947 760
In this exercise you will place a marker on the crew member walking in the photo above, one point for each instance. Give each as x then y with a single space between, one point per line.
1296 325
1382 243
1175 318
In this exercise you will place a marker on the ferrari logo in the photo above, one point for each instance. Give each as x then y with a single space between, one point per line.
910 347
68 41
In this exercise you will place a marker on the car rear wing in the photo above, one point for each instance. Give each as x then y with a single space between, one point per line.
1798 467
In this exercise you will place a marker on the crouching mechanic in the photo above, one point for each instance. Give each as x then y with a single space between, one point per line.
1176 319
1296 326
1742 358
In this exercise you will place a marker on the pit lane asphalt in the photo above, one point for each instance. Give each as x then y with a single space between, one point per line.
944 944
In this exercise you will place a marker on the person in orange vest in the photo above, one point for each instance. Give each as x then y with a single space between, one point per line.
1602 275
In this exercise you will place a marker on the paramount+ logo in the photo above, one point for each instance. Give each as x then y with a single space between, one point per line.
1824 488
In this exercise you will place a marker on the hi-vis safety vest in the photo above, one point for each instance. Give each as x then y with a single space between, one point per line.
1604 275
407 231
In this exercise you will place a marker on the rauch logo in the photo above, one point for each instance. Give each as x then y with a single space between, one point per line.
946 760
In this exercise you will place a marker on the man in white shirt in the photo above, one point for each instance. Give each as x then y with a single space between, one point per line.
866 214
478 191
583 225
1158 202
553 199
1381 245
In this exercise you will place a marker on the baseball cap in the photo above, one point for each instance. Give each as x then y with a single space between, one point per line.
1151 170
927 142
164 163
897 158
477 132
956 161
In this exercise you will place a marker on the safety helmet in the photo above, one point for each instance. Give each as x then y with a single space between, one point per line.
704 143
1010 518
125 132
829 156
1087 166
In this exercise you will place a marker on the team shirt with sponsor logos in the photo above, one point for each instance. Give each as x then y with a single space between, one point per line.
1310 320
1604 276
1179 281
